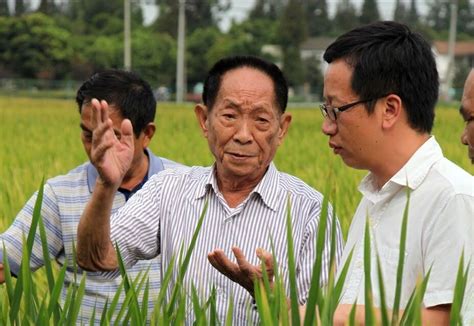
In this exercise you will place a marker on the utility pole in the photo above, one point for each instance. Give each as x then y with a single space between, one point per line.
180 58
127 52
451 44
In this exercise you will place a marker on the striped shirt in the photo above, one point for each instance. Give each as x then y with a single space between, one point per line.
163 215
65 197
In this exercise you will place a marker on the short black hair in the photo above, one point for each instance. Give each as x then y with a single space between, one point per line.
126 91
214 76
387 57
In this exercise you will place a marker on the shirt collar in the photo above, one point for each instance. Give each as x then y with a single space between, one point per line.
411 174
266 188
155 165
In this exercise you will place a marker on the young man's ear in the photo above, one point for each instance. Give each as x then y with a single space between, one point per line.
392 110
201 112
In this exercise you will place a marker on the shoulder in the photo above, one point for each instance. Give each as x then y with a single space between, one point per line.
181 174
298 188
75 177
157 161
451 179
169 164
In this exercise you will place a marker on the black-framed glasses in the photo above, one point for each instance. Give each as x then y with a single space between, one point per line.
331 112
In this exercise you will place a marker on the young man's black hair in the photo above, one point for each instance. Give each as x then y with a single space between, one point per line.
387 57
125 91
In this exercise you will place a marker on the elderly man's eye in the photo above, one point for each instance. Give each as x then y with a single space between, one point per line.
229 116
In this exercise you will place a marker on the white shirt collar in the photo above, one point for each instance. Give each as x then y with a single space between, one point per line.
411 174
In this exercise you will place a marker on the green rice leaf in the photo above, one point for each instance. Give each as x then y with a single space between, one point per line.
131 294
352 315
263 306
295 315
383 303
55 293
198 310
8 277
315 289
412 313
230 311
76 302
401 261
459 289
184 265
369 312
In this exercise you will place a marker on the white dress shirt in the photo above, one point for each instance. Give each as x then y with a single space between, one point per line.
440 226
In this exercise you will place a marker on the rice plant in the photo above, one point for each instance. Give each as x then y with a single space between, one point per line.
22 302
35 134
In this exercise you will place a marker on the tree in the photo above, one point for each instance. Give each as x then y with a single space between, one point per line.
465 23
313 75
269 9
370 12
292 34
4 10
400 12
438 15
198 45
154 56
85 16
36 47
20 7
345 18
317 17
47 7
413 16
199 14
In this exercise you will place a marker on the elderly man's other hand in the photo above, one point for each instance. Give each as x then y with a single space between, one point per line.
242 272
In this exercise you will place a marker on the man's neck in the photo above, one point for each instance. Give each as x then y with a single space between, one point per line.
235 189
396 155
137 172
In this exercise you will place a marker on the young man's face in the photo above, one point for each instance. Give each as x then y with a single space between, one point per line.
140 143
467 112
354 135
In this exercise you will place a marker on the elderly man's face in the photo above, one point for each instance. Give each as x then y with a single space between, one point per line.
467 112
244 127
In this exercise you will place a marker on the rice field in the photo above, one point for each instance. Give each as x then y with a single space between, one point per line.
40 138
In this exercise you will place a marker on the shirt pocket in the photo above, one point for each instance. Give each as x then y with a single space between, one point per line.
389 258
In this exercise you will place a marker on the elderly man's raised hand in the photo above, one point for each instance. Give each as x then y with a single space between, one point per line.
242 272
111 155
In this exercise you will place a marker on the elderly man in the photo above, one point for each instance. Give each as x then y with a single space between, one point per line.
244 120
380 88
467 112
65 196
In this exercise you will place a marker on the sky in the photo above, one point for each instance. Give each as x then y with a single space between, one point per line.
241 8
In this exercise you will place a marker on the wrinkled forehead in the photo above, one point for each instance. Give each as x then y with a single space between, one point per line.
248 82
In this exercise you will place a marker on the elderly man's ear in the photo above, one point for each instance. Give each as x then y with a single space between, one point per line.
201 114
285 121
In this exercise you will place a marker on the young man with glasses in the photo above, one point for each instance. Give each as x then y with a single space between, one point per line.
380 91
